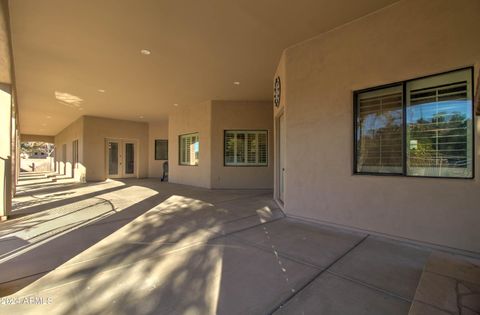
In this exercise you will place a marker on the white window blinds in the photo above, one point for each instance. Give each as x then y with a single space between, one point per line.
439 125
379 145
246 148
189 149
419 127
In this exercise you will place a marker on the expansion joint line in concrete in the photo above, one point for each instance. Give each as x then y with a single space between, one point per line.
244 229
315 277
368 285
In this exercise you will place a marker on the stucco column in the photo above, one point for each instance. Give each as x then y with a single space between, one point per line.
15 151
5 151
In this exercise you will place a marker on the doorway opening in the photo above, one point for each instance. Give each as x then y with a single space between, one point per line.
281 142
36 156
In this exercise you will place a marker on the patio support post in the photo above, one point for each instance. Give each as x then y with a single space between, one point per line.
5 151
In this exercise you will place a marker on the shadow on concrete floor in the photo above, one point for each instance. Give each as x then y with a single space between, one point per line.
147 247
62 235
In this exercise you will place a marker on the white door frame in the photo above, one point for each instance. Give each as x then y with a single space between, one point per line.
280 157
107 158
121 166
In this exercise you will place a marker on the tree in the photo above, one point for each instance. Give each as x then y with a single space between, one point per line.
34 146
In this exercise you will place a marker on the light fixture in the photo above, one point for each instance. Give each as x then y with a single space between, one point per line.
145 52
175 104
236 82
49 117
101 90
141 117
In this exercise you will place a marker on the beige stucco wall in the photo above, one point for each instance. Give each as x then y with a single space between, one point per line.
8 115
190 119
156 131
6 71
409 39
37 138
97 130
71 133
5 151
241 115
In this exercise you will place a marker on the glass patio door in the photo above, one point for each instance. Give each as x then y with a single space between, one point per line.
129 160
113 159
121 158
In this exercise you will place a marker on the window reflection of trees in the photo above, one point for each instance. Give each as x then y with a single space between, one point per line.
440 140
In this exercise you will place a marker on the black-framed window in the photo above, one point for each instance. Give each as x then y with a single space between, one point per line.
420 127
245 148
161 149
189 149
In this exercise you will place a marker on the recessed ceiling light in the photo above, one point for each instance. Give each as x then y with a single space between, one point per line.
141 117
101 90
49 117
145 52
175 104
236 82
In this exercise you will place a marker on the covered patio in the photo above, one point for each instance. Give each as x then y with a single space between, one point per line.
149 247
239 157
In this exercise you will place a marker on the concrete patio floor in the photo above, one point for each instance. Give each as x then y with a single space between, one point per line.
147 247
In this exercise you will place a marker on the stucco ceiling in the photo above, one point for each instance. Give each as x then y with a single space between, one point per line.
66 51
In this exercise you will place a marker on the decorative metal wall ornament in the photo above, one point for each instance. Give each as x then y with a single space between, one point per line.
277 90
